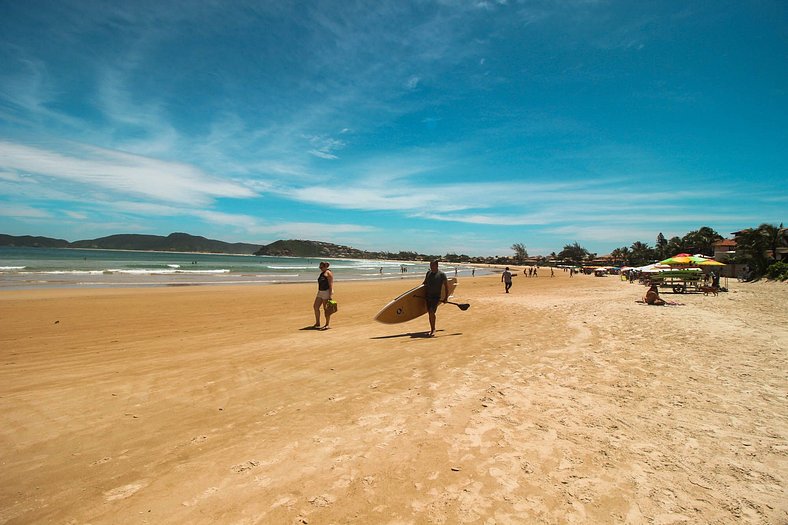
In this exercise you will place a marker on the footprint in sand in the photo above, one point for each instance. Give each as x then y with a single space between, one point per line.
199 439
210 491
243 467
324 500
124 492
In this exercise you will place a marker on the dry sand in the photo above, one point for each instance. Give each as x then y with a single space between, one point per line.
562 402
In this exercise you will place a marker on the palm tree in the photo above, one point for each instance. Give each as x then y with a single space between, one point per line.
675 245
757 247
702 240
574 252
661 247
641 253
621 256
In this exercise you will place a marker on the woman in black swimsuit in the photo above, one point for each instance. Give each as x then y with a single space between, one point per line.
325 289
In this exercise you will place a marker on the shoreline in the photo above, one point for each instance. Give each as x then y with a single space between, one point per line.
564 401
118 268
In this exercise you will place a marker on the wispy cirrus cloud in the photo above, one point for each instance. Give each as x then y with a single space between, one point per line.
120 172
22 211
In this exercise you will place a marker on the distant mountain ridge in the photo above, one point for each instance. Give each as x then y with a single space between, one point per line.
175 242
183 242
35 242
300 248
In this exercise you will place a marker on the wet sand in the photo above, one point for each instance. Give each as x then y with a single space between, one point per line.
564 401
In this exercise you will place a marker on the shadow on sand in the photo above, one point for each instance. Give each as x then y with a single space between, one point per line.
413 335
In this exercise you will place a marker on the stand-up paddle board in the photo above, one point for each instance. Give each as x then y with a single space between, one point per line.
409 305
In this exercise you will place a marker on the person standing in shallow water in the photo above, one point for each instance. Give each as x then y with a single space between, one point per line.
436 291
325 290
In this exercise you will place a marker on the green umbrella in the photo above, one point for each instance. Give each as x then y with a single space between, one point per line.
685 259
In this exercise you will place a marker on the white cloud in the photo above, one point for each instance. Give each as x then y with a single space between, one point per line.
308 230
122 173
76 215
492 219
361 198
23 212
10 176
323 155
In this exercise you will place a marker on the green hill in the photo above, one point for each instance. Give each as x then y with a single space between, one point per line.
175 242
30 241
302 248
183 242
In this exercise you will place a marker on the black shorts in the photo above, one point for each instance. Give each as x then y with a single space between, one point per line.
432 303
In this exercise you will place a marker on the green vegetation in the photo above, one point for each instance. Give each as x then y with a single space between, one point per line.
758 248
777 271
640 253
574 253
175 242
34 242
520 253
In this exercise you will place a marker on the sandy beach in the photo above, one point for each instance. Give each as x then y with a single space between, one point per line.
564 401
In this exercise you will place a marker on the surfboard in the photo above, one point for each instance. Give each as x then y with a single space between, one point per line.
409 305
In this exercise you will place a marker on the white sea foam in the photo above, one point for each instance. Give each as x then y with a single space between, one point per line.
160 271
65 272
10 268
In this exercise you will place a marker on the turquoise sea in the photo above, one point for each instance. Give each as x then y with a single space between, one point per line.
66 267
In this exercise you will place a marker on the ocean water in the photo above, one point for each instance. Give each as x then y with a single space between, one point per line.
66 267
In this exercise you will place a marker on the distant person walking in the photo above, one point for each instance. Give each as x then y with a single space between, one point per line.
436 288
506 279
325 290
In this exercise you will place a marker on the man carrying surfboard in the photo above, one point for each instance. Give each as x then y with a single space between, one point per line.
436 286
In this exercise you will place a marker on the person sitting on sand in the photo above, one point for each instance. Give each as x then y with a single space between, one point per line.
652 296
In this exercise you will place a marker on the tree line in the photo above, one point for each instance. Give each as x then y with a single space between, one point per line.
755 247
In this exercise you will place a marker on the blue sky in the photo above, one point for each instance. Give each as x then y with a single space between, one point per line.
434 126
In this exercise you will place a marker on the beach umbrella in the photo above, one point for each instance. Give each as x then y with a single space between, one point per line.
685 259
710 262
679 260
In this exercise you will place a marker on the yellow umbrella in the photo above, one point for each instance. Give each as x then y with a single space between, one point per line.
710 262
678 260
685 259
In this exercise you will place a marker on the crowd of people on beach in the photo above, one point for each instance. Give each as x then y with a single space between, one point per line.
435 283
437 290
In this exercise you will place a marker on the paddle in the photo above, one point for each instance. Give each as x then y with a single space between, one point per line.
461 306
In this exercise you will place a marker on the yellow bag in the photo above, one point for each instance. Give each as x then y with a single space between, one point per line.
331 306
